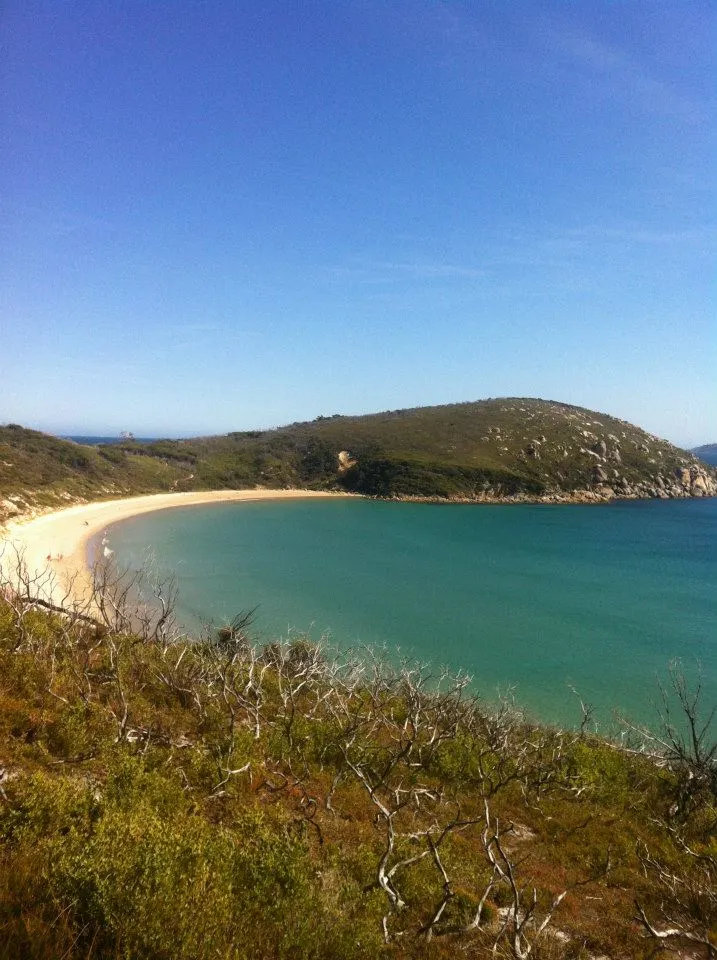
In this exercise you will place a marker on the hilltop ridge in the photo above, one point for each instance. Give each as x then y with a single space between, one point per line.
497 450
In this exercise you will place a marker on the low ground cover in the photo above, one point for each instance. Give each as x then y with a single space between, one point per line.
172 797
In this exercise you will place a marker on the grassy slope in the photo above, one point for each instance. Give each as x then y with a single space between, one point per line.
122 836
460 448
499 447
37 470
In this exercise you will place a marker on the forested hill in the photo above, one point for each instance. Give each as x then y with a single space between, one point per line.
487 450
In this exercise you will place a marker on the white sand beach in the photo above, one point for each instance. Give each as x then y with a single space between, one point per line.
54 545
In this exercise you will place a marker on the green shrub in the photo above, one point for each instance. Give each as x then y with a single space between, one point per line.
139 871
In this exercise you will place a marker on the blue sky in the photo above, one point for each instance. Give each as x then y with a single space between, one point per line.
225 215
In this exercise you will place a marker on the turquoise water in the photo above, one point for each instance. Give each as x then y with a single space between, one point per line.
538 598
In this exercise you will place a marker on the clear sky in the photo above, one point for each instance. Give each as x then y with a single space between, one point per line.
224 215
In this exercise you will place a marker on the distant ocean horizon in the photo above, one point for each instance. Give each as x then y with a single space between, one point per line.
552 602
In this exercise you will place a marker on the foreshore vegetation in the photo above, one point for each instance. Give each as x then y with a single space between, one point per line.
168 797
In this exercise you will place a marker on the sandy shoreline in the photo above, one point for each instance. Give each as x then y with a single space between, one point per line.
54 545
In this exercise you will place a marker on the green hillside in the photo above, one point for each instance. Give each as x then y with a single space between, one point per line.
490 449
37 470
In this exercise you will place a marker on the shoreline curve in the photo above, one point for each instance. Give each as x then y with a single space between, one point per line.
54 545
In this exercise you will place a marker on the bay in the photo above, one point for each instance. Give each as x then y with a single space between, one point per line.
540 599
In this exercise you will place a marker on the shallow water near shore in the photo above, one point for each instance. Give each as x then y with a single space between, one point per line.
538 598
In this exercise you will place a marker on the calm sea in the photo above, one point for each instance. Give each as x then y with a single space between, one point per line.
541 599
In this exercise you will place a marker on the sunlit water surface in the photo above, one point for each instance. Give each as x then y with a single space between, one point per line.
538 598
